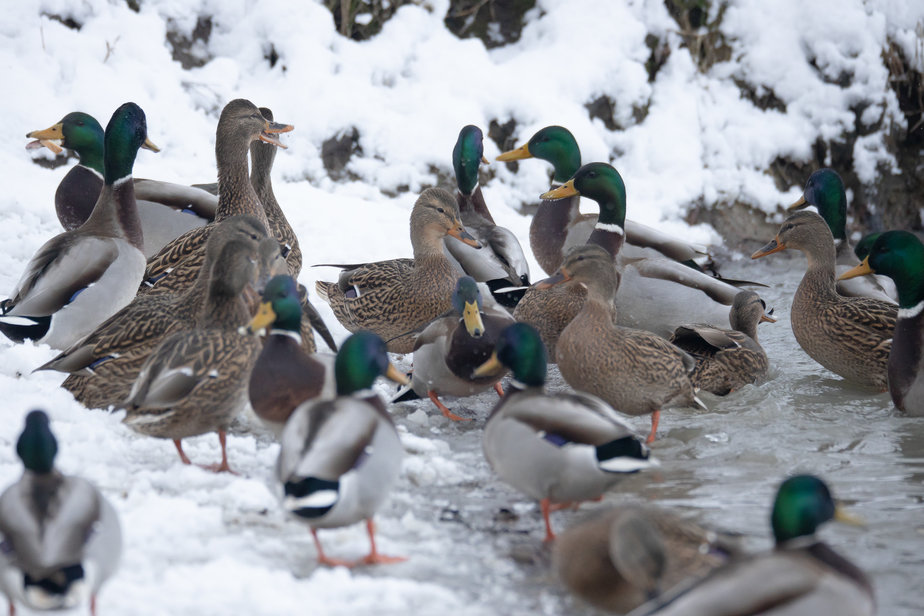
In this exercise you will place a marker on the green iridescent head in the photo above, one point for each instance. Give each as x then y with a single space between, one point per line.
37 446
553 144
863 246
363 358
76 131
602 183
520 348
126 132
802 504
825 190
466 156
900 256
281 297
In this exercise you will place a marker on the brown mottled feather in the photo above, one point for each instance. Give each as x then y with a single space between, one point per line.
850 336
635 371
392 298
550 311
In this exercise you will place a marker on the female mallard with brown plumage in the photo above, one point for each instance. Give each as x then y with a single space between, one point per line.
104 365
449 349
195 381
900 256
559 448
635 371
284 375
850 336
726 359
175 267
631 553
825 191
398 296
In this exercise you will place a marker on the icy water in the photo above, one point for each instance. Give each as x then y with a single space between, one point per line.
720 467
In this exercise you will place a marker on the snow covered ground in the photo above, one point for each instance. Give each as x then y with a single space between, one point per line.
202 544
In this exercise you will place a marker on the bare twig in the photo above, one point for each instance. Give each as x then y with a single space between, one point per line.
110 48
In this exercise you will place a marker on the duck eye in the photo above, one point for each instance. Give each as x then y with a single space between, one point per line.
787 227
440 210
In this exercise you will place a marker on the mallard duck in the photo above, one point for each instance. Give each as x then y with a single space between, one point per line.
392 298
105 364
559 225
449 349
556 448
262 155
176 266
636 371
900 256
726 359
850 336
631 553
656 294
825 190
801 575
166 210
61 536
285 375
195 381
80 278
501 263
339 458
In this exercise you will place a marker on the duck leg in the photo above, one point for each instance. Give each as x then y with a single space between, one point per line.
499 390
546 506
324 559
444 409
179 450
221 467
374 558
655 418
92 605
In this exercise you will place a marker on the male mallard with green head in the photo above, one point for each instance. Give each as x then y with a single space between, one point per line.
166 210
900 256
556 448
800 576
80 278
500 263
61 538
339 458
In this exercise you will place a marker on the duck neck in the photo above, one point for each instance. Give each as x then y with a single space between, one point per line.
427 243
819 277
910 290
473 202
261 176
92 158
610 237
116 213
236 194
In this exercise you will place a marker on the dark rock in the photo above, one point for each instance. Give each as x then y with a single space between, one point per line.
190 50
337 151
494 22
68 22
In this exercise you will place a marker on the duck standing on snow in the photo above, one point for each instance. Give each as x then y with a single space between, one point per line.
900 256
726 359
850 336
80 278
339 458
195 381
825 190
800 576
166 210
634 370
556 448
631 553
449 349
284 375
500 263
61 537
559 225
398 296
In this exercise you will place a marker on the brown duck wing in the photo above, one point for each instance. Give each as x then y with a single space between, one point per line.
868 322
175 252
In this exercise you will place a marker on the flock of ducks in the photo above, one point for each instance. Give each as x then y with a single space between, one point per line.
180 306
